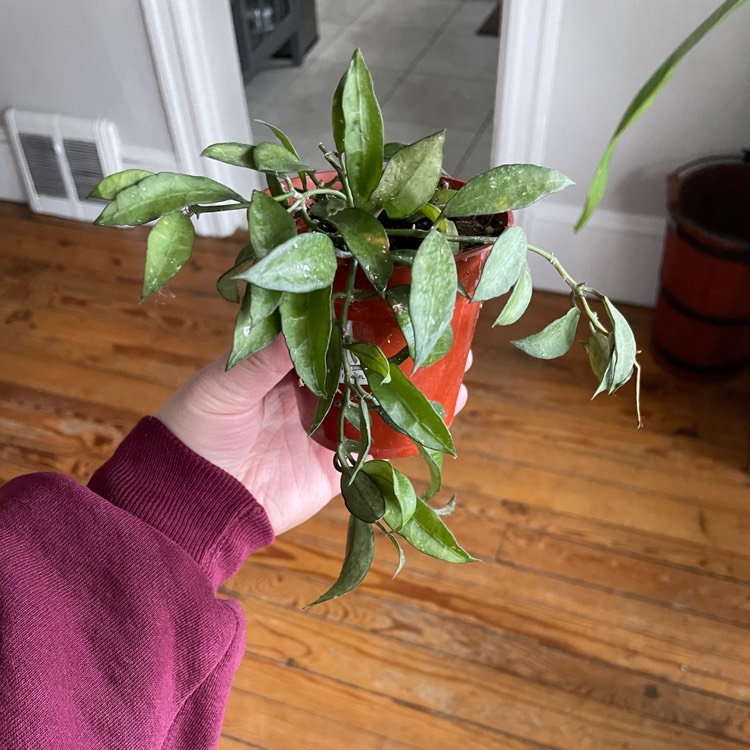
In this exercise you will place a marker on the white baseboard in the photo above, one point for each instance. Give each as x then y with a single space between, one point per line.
617 253
11 186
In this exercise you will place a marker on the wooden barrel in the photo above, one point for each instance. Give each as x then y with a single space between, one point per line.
701 325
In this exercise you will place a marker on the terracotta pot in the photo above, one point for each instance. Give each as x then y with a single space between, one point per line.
373 321
701 325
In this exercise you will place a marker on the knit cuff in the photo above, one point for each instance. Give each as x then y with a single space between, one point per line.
156 477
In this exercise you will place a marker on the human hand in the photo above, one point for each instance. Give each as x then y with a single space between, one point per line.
246 421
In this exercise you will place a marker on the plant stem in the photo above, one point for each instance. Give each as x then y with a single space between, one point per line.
343 320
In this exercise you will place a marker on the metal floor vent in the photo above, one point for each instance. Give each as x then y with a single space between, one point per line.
62 159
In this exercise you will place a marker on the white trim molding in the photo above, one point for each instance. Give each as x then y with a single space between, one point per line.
200 108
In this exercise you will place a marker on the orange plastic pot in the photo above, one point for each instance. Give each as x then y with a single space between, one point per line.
373 321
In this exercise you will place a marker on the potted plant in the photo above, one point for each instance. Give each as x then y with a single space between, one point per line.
374 273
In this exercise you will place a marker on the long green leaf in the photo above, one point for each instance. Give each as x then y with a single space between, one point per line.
110 186
271 157
410 410
236 154
518 301
643 100
306 323
302 264
399 494
554 340
411 176
625 348
363 497
169 246
372 357
270 225
433 294
330 384
367 241
251 336
363 132
162 194
434 461
427 533
360 549
505 188
226 284
503 266
282 136
600 350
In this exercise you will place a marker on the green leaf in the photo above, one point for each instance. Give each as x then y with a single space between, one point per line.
427 533
391 149
363 132
302 264
169 246
505 188
398 297
110 186
282 136
372 357
625 348
644 99
365 437
338 123
411 176
448 509
263 302
363 498
250 335
367 241
306 323
554 340
270 225
409 410
162 194
404 256
518 301
504 265
433 294
600 350
226 284
434 461
236 154
325 206
274 185
330 384
399 494
271 157
399 551
360 549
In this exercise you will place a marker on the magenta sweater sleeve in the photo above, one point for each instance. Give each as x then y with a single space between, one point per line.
111 633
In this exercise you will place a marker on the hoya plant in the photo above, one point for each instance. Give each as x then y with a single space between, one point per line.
322 243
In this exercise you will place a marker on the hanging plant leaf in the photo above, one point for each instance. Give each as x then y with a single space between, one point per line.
398 297
399 550
363 132
427 533
270 224
302 264
554 340
391 149
411 176
448 509
518 301
282 136
399 494
169 246
433 294
226 284
644 99
409 410
360 549
250 335
600 350
505 188
372 357
363 497
503 266
434 461
367 241
162 194
271 157
236 154
110 186
624 345
338 123
306 323
330 384
263 302
365 437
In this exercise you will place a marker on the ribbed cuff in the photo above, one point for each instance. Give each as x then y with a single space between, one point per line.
156 477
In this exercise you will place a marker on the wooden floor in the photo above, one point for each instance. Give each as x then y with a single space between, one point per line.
612 606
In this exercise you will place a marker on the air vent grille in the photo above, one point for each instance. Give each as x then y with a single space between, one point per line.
39 152
62 159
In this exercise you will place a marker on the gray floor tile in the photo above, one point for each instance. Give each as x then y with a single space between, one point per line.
427 15
457 142
478 157
342 12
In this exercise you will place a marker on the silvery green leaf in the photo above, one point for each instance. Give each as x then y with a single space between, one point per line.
363 498
554 340
251 336
271 157
427 533
624 347
282 136
518 301
110 186
236 154
503 266
169 246
270 224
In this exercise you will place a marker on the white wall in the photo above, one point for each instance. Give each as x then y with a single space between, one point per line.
85 59
606 50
